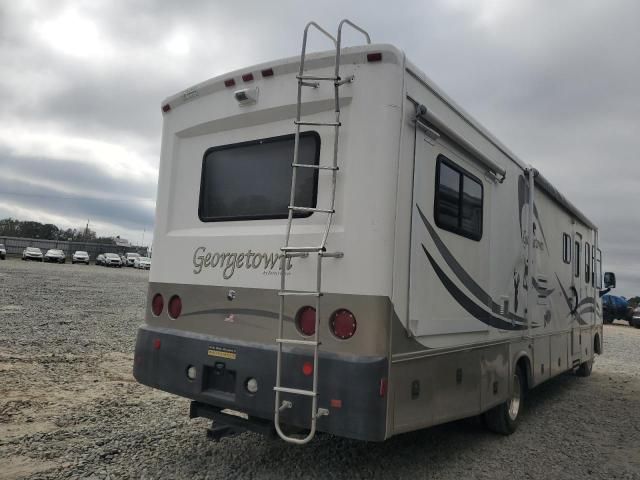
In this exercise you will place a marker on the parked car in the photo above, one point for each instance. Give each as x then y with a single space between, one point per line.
3 252
635 318
142 263
112 260
131 257
32 253
80 257
100 259
55 255
615 308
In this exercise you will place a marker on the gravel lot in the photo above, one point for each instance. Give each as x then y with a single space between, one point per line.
70 408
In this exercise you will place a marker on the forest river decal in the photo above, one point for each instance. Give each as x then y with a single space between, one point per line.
230 262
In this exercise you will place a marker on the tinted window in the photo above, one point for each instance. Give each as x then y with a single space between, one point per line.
587 262
458 202
576 260
252 180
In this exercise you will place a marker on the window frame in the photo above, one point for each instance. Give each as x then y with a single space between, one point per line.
576 263
587 263
441 159
289 136
598 271
566 248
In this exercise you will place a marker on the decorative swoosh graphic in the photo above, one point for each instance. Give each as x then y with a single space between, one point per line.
581 321
466 279
469 305
542 291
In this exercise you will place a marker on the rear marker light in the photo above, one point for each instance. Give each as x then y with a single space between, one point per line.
383 387
343 323
192 372
229 83
374 57
306 320
336 403
307 368
175 307
157 304
156 344
267 72
252 385
166 108
247 77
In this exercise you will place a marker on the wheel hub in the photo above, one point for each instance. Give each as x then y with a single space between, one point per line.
514 401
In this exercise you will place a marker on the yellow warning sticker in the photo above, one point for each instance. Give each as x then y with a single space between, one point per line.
222 352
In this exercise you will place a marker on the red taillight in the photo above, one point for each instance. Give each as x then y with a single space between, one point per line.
157 304
268 72
156 344
343 323
166 108
374 57
247 77
229 82
306 320
175 307
307 368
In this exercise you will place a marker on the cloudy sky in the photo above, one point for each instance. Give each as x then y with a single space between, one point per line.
81 83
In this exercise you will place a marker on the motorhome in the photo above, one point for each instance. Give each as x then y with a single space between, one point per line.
340 248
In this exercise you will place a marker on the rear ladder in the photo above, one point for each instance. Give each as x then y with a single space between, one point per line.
289 251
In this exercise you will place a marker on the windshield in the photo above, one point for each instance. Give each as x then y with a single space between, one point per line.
55 251
144 259
252 180
111 255
79 252
33 250
133 254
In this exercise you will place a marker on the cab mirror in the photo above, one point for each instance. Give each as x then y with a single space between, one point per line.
609 280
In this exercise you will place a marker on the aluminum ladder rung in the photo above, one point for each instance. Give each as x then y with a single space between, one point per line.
318 124
302 249
298 293
318 77
317 167
295 391
294 341
310 209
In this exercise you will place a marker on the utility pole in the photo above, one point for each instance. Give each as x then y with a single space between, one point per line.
144 230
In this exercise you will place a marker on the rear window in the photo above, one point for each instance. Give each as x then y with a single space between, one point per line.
252 180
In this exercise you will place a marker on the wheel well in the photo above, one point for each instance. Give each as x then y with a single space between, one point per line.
525 364
597 346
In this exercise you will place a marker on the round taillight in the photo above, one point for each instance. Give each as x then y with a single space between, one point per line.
343 323
157 304
175 307
306 320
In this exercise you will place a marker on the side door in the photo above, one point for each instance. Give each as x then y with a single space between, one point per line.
449 266
577 294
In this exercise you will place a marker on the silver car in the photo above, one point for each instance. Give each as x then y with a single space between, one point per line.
32 253
131 258
112 260
80 257
55 255
142 263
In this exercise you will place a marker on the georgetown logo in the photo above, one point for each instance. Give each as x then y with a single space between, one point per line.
229 262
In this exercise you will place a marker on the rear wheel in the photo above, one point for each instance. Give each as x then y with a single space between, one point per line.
585 368
504 418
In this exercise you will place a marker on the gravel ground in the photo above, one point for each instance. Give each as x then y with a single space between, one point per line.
69 407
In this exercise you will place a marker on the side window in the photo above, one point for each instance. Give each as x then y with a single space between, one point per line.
587 263
566 248
576 260
459 200
598 268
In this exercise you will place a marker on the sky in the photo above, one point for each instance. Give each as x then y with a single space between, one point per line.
557 81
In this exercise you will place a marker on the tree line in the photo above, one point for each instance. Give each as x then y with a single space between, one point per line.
11 227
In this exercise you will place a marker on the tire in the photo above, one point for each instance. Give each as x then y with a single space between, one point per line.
504 418
585 368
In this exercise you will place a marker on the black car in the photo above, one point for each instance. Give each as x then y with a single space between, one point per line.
616 308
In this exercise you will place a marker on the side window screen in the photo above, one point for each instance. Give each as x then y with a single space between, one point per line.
566 248
459 200
576 260
252 180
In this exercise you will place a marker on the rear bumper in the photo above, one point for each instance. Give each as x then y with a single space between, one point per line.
348 386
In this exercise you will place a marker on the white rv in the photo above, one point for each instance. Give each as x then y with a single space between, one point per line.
414 271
